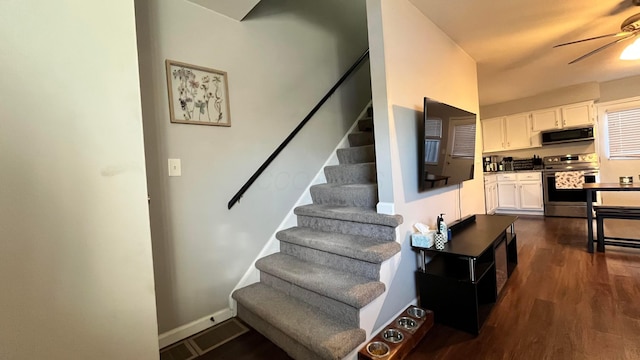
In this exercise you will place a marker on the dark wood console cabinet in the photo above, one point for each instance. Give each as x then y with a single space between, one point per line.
462 282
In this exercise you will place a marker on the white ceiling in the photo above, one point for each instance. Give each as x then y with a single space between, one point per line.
512 42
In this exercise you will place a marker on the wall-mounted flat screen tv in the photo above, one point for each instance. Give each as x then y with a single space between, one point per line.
447 145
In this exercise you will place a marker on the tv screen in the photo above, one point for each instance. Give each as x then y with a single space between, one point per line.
446 146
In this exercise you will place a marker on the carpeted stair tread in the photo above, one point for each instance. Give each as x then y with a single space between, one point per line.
349 213
362 173
360 138
358 195
357 154
353 246
350 289
365 124
303 323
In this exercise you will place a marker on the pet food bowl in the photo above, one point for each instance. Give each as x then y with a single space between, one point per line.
378 349
406 323
416 312
392 336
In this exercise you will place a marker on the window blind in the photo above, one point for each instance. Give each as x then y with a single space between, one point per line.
431 149
464 141
433 128
624 133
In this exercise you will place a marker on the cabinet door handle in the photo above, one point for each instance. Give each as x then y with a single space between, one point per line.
556 123
564 122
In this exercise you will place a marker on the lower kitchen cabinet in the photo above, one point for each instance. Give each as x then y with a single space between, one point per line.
491 193
507 192
520 192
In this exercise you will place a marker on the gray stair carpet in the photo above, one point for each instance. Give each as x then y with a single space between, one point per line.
328 268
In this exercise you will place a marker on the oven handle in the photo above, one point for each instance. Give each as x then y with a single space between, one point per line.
553 173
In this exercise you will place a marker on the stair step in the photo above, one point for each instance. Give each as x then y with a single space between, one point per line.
352 246
365 124
349 213
357 154
358 138
364 173
353 290
291 323
335 309
359 195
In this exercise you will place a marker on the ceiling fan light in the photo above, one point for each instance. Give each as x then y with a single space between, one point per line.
631 52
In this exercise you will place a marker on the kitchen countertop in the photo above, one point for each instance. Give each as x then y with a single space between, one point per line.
510 172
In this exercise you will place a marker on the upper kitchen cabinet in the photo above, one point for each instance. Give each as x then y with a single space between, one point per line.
567 116
517 135
493 134
507 133
546 119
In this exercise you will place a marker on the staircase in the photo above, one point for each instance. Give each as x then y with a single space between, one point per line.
310 294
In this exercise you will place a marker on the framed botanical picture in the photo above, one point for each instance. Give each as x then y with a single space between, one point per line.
197 95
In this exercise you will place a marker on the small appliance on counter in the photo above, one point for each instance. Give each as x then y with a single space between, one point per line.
507 163
490 163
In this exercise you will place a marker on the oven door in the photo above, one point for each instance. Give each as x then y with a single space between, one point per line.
553 196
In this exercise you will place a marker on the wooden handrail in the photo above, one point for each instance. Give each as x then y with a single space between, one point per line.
252 179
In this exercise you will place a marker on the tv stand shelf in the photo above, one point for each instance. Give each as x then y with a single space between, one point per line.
462 282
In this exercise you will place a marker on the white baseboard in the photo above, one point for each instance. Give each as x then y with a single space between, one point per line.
192 328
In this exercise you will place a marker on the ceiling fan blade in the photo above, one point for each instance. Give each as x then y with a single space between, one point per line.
593 38
633 34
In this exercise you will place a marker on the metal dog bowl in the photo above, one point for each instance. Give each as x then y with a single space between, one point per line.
378 349
416 312
406 323
392 336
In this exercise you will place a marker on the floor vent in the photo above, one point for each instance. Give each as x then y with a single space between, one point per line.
179 351
217 335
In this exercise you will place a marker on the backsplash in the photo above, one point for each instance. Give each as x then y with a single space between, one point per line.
549 150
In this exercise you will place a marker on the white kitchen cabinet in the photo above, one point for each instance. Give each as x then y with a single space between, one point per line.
492 134
507 191
507 133
530 191
567 116
577 114
517 134
520 192
491 193
546 119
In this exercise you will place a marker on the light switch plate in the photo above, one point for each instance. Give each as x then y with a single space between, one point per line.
175 167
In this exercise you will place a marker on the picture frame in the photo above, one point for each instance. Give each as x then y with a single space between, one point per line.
197 95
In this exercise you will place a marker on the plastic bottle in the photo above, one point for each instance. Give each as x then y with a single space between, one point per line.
442 227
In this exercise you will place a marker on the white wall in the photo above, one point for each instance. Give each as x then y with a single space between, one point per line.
412 58
281 60
75 254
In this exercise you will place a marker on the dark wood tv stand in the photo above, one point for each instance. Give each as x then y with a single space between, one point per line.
462 282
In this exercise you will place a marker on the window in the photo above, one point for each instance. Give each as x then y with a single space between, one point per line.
431 150
433 135
433 128
464 141
623 129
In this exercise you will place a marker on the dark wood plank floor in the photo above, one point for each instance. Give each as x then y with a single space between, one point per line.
560 303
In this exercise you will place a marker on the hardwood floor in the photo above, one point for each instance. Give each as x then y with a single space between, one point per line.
560 303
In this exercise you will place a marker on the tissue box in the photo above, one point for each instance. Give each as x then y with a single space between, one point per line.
422 240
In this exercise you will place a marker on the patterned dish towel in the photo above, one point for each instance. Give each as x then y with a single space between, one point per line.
569 179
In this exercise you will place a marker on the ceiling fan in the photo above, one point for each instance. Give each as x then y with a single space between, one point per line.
629 29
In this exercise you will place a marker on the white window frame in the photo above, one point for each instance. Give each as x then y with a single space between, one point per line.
612 106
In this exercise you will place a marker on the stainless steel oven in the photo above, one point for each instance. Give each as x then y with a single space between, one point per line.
568 202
